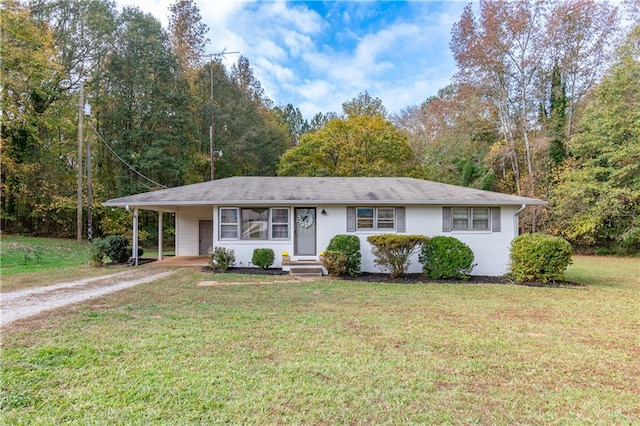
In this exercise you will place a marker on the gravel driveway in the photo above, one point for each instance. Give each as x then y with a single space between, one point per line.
25 303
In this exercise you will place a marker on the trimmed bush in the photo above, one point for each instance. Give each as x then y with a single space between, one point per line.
350 246
263 257
446 257
393 251
117 248
222 258
539 258
98 251
335 262
140 251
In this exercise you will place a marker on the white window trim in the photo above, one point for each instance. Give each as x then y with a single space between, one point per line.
287 223
375 227
494 220
238 224
469 227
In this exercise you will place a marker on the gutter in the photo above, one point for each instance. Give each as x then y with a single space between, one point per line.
516 225
524 206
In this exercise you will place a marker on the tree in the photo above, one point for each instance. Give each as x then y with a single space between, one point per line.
581 37
355 146
249 85
187 34
597 201
451 133
33 176
555 120
502 53
142 109
291 117
364 104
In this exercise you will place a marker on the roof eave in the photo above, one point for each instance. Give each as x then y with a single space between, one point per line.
171 205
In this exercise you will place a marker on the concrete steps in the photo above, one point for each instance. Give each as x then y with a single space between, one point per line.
312 269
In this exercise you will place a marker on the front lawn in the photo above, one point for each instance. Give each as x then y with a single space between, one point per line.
33 261
335 352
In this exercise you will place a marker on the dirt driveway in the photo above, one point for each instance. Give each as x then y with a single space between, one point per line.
25 303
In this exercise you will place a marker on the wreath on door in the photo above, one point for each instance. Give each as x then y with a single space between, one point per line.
305 219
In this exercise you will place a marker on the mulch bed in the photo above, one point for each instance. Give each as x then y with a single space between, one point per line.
474 279
406 279
248 271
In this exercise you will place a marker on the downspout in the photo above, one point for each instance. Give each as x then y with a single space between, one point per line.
134 249
516 225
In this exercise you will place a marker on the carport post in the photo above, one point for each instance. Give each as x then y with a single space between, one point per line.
135 236
159 234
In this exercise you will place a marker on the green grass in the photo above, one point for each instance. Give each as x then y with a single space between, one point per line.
19 254
334 352
30 262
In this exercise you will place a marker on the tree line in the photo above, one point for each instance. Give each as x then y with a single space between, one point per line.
545 103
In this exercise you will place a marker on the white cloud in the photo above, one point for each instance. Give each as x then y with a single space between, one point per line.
316 62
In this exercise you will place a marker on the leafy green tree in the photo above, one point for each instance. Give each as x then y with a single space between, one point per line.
187 33
242 75
250 135
556 120
597 200
452 133
292 118
143 109
355 146
364 104
34 172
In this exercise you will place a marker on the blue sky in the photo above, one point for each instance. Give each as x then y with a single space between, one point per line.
317 55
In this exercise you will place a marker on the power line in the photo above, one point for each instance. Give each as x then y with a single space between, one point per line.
124 162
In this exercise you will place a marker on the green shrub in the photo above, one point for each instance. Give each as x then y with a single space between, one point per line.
98 250
140 251
446 257
350 246
30 255
117 248
393 251
222 258
263 257
539 257
335 262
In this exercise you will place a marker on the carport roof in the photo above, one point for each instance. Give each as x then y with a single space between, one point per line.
258 191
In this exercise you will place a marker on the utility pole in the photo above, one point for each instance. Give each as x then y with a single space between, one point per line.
87 112
80 137
211 143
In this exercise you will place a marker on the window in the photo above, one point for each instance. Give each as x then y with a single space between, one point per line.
254 223
386 218
228 223
480 218
280 223
370 218
364 218
471 219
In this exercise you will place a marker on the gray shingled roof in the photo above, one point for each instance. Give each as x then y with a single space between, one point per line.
318 190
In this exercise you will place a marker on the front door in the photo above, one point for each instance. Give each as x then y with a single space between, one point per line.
205 235
305 231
